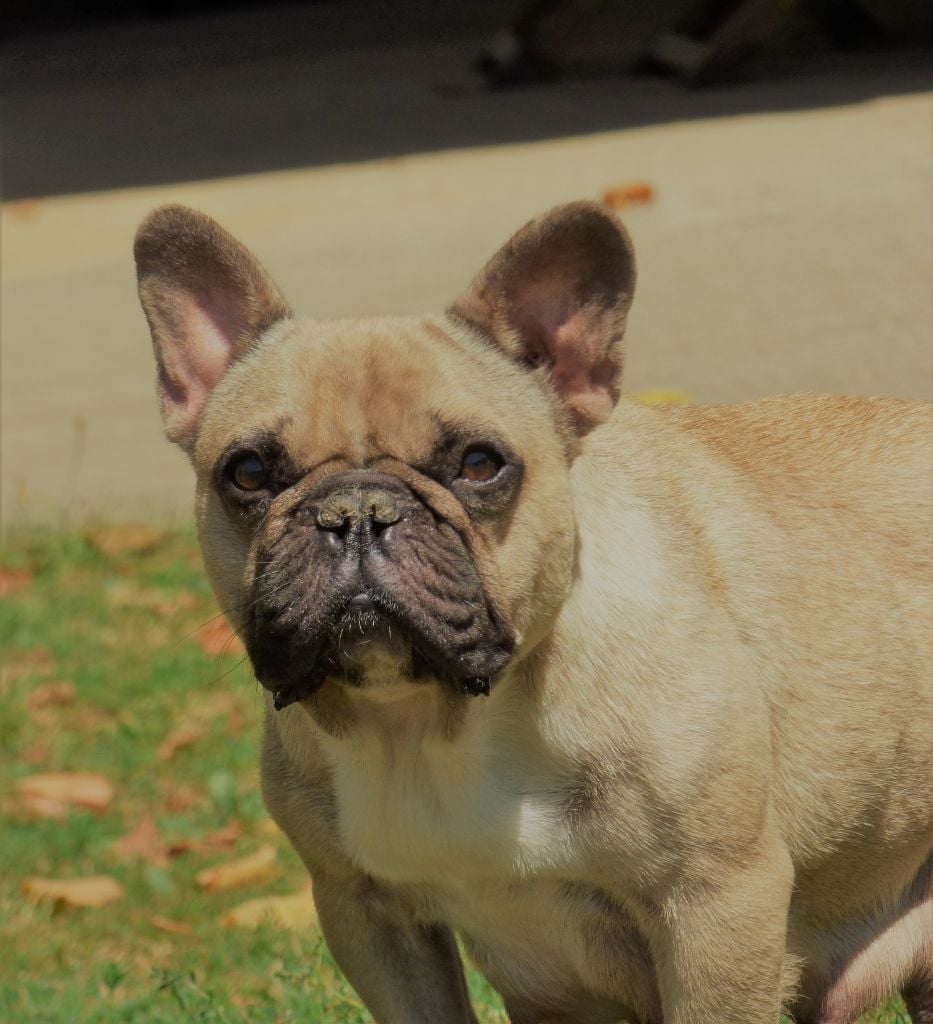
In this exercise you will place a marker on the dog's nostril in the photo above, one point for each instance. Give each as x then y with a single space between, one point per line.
335 539
383 511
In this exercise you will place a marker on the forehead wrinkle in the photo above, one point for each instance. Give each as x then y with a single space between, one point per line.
395 375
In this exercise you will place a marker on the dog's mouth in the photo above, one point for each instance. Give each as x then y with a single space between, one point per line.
368 642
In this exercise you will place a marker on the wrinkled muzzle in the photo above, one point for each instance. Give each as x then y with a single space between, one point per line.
362 559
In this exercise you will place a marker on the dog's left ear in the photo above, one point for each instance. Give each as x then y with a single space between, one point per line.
207 299
557 294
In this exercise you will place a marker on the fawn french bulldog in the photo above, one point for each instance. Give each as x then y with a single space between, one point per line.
637 702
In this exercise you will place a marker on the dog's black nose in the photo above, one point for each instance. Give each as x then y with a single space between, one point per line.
362 602
359 507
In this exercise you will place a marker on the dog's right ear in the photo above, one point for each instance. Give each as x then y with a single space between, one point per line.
207 299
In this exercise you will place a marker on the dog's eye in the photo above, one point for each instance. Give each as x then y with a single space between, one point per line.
248 472
480 465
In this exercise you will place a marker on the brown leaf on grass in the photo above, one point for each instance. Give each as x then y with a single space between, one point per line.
178 797
36 806
53 794
294 912
256 869
34 753
166 924
22 664
144 842
12 581
54 694
216 637
125 539
178 740
223 838
621 197
93 891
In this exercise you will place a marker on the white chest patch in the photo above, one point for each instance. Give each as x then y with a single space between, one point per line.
417 807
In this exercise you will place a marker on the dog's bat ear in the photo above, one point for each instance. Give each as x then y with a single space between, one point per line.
557 295
207 299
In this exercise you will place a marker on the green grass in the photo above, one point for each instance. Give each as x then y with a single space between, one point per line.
123 628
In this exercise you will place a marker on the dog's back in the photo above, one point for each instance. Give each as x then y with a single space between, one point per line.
867 462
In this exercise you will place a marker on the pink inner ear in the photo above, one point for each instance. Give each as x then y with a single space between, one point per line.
583 372
205 345
576 344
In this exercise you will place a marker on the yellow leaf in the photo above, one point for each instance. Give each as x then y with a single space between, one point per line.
295 912
257 868
93 891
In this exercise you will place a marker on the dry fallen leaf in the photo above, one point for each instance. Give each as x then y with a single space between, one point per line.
257 868
21 664
94 891
51 794
51 695
178 797
13 580
166 924
24 210
216 637
42 807
295 912
223 838
34 753
125 538
144 842
178 740
623 196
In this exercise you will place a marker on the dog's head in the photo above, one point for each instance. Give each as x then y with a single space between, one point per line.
387 497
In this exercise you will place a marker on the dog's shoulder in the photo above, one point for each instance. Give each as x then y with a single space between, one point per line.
863 458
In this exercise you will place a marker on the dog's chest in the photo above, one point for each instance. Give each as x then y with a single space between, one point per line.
417 809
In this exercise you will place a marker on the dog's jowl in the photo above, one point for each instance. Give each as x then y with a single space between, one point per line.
636 702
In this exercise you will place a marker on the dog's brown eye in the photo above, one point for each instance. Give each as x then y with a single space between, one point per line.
480 465
249 473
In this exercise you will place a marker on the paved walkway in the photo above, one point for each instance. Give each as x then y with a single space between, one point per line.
785 251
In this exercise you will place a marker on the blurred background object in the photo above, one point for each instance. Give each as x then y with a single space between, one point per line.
701 40
783 217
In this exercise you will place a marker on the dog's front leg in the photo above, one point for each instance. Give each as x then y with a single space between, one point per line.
720 952
405 972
